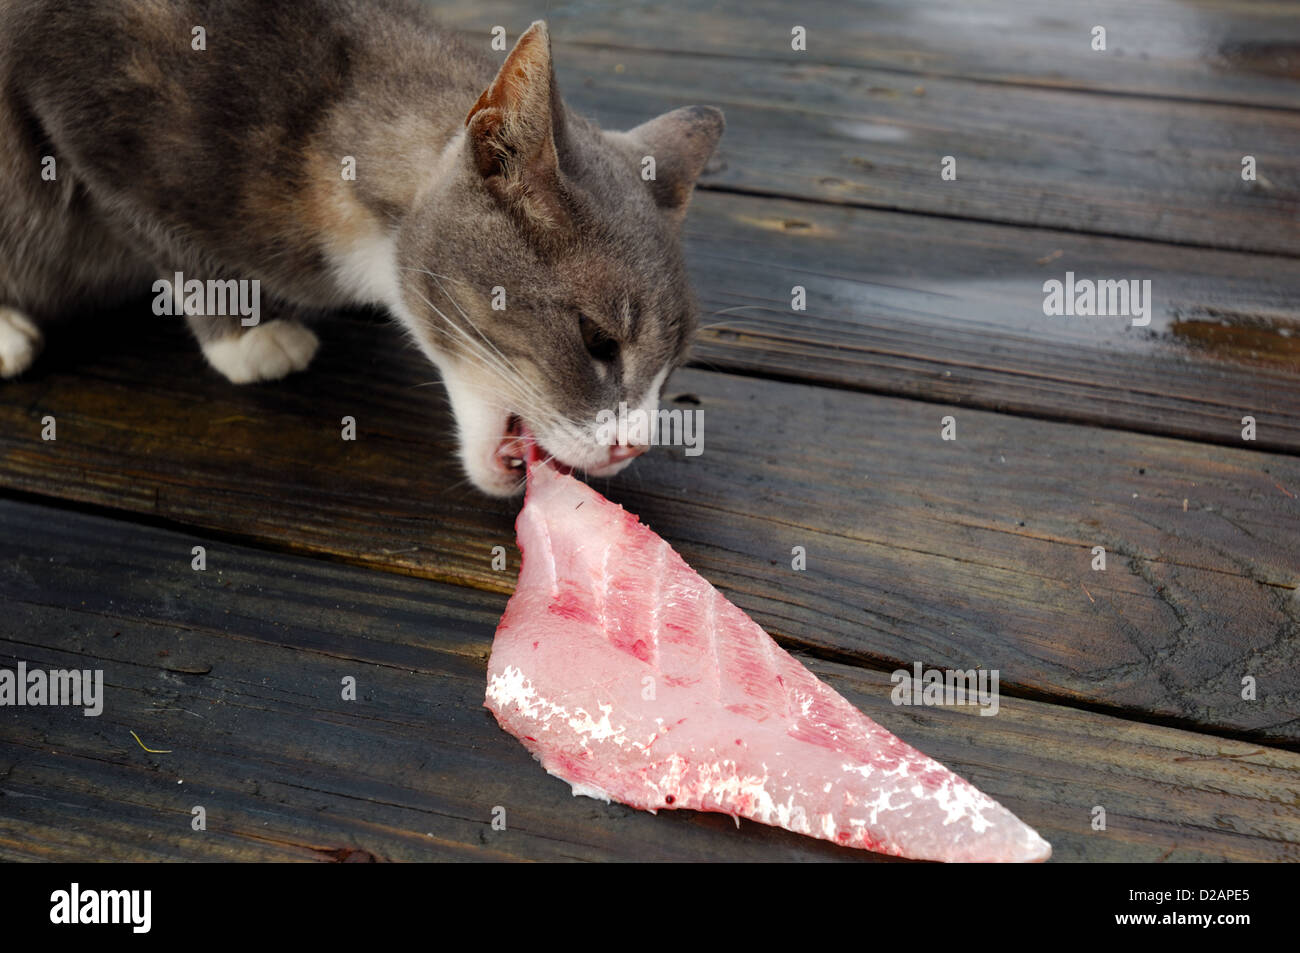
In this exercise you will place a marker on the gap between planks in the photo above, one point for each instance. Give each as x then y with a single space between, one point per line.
1027 227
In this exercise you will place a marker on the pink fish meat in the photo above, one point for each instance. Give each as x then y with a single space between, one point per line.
630 677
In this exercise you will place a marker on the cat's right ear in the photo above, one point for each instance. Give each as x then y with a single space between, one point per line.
511 133
681 142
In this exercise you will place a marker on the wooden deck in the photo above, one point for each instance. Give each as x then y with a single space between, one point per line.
1121 689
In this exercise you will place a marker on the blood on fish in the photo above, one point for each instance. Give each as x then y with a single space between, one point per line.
568 606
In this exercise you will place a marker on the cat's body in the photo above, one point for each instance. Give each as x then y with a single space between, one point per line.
343 153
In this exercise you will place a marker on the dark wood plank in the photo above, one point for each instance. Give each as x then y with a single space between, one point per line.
949 553
1136 167
953 311
235 673
1213 50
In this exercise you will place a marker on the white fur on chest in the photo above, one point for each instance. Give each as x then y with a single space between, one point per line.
366 271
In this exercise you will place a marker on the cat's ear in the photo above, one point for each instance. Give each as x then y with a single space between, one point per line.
680 142
512 132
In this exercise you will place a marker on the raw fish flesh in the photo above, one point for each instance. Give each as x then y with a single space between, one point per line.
630 677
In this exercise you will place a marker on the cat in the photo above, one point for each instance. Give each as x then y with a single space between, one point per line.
348 153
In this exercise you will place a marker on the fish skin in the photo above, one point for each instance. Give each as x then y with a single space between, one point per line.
631 678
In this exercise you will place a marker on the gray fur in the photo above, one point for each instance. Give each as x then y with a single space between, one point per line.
225 163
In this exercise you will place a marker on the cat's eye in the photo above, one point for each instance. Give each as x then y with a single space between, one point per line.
599 344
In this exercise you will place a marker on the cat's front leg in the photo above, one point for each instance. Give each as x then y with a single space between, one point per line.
20 342
267 351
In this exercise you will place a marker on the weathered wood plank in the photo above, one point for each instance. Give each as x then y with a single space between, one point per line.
919 549
1144 168
1213 50
953 312
235 672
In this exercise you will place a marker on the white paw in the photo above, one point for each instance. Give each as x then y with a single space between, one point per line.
20 342
263 353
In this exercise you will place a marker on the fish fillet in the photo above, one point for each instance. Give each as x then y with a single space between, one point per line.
630 677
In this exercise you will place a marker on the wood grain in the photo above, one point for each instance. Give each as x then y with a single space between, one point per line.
1131 167
975 551
1221 51
953 312
236 672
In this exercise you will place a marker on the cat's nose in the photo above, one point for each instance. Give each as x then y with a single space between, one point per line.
625 451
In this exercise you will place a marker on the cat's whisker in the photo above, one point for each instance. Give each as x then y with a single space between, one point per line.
536 416
470 321
486 360
731 325
742 307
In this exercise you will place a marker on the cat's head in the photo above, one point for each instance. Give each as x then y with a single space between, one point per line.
542 271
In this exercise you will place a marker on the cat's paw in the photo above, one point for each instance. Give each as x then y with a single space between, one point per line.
263 353
20 342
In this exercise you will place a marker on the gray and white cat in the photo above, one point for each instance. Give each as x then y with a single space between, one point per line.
140 138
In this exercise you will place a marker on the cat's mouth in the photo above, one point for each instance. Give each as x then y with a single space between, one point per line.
513 447
519 446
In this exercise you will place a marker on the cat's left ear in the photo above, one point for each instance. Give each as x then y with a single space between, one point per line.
681 142
511 131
